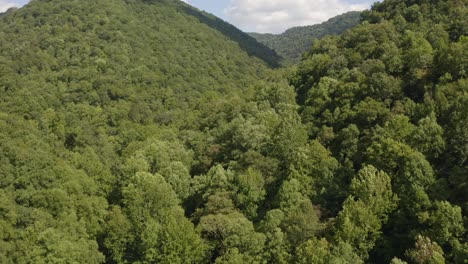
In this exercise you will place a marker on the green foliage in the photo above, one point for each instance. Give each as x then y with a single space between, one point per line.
360 221
250 192
426 252
321 251
374 188
294 42
314 168
384 100
445 223
398 261
161 232
232 233
150 132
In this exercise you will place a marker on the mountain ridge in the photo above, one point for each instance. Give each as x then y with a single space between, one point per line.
295 41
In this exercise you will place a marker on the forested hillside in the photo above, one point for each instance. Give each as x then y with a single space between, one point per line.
389 99
146 131
296 41
91 91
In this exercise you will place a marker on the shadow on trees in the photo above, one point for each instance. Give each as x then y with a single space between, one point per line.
246 42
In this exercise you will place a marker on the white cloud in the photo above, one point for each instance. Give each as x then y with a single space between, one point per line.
275 16
5 5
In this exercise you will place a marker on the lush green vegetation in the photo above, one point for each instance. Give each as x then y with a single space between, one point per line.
297 40
137 131
391 94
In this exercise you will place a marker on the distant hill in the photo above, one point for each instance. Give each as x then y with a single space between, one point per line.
11 9
297 40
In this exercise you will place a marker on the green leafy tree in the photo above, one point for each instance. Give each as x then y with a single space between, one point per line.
360 222
156 217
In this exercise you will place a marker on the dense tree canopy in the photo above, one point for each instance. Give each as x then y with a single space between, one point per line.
295 41
137 131
383 95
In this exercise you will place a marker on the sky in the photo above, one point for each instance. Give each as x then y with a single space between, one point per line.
263 16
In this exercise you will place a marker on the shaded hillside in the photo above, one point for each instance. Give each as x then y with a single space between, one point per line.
245 41
296 41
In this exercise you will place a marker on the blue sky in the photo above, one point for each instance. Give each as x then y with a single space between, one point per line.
265 16
275 16
213 6
217 7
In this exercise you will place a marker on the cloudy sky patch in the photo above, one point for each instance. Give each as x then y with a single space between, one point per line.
5 4
275 16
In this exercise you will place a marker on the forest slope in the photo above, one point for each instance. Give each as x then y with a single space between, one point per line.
136 131
296 41
392 93
85 85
